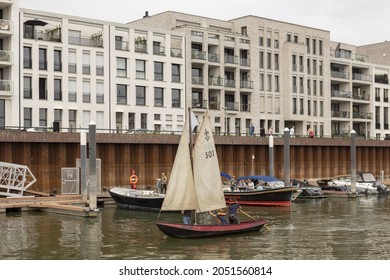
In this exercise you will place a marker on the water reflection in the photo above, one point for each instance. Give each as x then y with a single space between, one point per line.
311 229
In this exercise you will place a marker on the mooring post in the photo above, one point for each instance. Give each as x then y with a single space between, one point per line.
271 155
83 162
287 157
353 161
92 166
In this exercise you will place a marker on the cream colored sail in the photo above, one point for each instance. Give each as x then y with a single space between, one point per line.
181 193
207 176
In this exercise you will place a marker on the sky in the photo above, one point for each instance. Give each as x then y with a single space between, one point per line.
356 22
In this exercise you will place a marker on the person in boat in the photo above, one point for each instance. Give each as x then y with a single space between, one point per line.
232 183
164 182
221 217
186 217
233 208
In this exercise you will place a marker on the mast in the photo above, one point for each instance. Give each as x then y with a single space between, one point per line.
190 146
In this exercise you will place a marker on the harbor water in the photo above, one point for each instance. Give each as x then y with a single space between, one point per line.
322 229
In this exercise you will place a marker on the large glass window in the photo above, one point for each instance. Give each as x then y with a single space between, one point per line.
42 89
27 59
121 67
99 92
176 73
72 92
86 63
86 91
176 102
57 60
158 71
140 95
72 65
27 117
42 117
2 113
99 65
140 69
27 91
57 89
158 97
121 94
42 59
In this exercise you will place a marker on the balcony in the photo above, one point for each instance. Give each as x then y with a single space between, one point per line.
361 96
246 84
158 50
6 88
362 115
6 57
85 41
341 94
196 54
231 59
215 105
199 104
197 80
215 81
362 77
245 62
339 74
340 114
140 47
231 106
230 83
5 26
121 45
245 107
213 57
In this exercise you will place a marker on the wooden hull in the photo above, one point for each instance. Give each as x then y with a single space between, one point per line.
137 199
202 231
271 197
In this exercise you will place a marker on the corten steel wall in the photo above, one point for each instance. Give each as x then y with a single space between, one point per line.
47 152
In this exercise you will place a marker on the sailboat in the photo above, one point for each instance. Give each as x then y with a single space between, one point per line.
195 184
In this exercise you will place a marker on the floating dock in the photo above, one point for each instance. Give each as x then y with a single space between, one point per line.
62 204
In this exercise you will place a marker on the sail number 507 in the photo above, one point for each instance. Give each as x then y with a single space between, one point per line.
209 154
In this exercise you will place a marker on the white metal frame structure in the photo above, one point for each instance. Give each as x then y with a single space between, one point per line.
15 179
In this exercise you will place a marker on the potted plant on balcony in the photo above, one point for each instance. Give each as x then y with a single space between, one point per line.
54 33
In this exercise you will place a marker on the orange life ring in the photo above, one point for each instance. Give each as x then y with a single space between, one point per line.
133 179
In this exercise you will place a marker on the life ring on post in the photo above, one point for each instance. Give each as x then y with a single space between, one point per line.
133 179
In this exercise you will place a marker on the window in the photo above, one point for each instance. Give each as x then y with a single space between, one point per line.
261 82
158 97
269 82
294 106
131 122
57 115
86 92
27 60
176 73
301 106
86 63
261 59
27 117
42 89
121 94
269 60
27 91
72 66
42 117
261 41
320 47
176 98
57 60
99 92
158 71
42 59
140 92
276 80
144 121
140 69
57 89
377 94
72 93
121 67
72 120
314 46
244 30
99 65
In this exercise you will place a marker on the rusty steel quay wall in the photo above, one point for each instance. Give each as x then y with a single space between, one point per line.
45 153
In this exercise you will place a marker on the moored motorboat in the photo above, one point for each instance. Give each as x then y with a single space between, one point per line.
135 199
308 191
266 191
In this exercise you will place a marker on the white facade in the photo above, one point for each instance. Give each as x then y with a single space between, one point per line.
144 75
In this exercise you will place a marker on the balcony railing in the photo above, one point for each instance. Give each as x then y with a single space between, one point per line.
85 41
121 45
362 115
200 104
246 84
340 114
245 107
141 47
196 54
341 94
230 83
197 80
214 105
232 59
245 61
361 96
362 77
215 81
231 106
5 56
213 57
339 74
158 50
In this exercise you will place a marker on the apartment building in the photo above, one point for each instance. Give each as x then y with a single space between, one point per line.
60 72
254 70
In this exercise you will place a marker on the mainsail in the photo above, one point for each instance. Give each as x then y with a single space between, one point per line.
208 183
199 186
